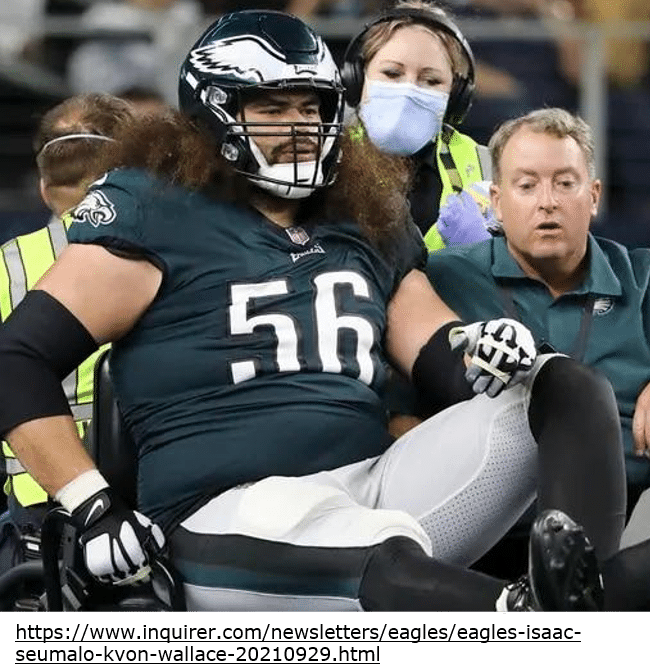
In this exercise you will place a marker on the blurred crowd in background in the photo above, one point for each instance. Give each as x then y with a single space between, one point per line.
50 49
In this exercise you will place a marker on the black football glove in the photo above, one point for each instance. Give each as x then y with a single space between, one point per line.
118 543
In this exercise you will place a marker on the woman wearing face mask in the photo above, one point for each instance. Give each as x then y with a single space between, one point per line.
410 75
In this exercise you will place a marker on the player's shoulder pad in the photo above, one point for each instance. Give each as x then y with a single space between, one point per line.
132 181
118 190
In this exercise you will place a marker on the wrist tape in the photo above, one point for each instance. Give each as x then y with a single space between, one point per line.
80 489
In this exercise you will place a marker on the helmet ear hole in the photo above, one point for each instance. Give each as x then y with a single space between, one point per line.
230 152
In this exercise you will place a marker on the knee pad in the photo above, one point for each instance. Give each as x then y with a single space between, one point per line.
561 373
566 386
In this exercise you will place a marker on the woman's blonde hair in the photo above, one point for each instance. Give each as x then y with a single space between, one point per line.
380 33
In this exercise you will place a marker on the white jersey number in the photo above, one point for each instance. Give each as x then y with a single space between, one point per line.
328 323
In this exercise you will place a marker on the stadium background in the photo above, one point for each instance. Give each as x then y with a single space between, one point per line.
38 37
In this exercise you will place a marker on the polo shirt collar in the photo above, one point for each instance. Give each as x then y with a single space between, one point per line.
599 280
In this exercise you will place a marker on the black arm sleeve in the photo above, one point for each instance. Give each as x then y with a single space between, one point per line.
41 342
439 374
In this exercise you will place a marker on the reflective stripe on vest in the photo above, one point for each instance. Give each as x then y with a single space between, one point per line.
471 165
23 261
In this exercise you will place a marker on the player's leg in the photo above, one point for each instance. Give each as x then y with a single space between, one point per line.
574 417
469 472
563 576
296 544
283 543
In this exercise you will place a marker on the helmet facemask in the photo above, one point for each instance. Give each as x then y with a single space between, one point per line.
290 179
252 53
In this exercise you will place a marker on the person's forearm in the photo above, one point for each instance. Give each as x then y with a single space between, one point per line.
51 450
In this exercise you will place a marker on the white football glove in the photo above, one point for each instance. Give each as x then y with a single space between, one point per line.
502 353
117 542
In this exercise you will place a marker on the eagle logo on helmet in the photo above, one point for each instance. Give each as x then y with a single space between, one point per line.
214 59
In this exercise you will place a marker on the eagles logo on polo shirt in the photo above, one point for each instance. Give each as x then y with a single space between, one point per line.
602 305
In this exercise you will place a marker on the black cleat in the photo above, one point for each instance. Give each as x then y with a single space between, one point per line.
563 572
519 596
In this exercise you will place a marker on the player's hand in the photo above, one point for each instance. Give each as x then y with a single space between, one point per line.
117 542
502 353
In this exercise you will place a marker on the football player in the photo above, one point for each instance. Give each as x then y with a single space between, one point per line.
257 272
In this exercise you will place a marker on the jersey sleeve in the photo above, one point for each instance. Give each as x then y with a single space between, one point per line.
410 251
113 215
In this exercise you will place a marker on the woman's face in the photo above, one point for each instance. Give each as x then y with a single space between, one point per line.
414 55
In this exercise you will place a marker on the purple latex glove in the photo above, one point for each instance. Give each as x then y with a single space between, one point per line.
461 222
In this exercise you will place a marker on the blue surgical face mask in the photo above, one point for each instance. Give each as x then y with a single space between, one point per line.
402 118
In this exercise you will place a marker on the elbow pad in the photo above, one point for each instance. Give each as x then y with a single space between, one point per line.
439 373
41 343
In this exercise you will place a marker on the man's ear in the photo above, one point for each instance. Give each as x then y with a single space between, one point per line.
596 192
44 192
494 194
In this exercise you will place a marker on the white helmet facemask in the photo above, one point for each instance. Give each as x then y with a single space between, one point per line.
290 180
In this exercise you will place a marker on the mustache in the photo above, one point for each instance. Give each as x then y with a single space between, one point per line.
301 144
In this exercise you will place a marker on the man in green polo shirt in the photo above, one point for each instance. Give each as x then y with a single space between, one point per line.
584 296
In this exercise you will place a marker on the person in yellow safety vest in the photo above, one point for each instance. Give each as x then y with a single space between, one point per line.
410 76
66 143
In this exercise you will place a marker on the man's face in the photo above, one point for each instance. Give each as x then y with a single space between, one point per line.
545 198
276 142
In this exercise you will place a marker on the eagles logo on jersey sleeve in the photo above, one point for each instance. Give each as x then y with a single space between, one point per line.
95 210
112 209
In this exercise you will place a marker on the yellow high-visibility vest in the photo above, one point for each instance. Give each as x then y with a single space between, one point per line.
472 166
23 261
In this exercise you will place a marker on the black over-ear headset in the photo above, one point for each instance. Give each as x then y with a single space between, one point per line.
460 96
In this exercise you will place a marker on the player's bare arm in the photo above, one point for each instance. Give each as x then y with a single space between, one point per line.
107 294
414 314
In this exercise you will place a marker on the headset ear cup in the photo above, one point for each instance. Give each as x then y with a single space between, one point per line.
352 77
460 100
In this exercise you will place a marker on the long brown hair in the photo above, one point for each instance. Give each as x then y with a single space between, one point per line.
371 187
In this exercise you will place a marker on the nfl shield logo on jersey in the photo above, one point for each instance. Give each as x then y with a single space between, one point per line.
298 235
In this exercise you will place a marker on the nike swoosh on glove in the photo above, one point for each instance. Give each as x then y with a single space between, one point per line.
502 352
118 543
461 221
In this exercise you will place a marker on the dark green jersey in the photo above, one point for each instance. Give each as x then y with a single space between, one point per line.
261 354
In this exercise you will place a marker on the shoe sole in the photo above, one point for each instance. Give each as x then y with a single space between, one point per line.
563 569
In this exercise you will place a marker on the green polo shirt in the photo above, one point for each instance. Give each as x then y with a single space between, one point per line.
477 281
